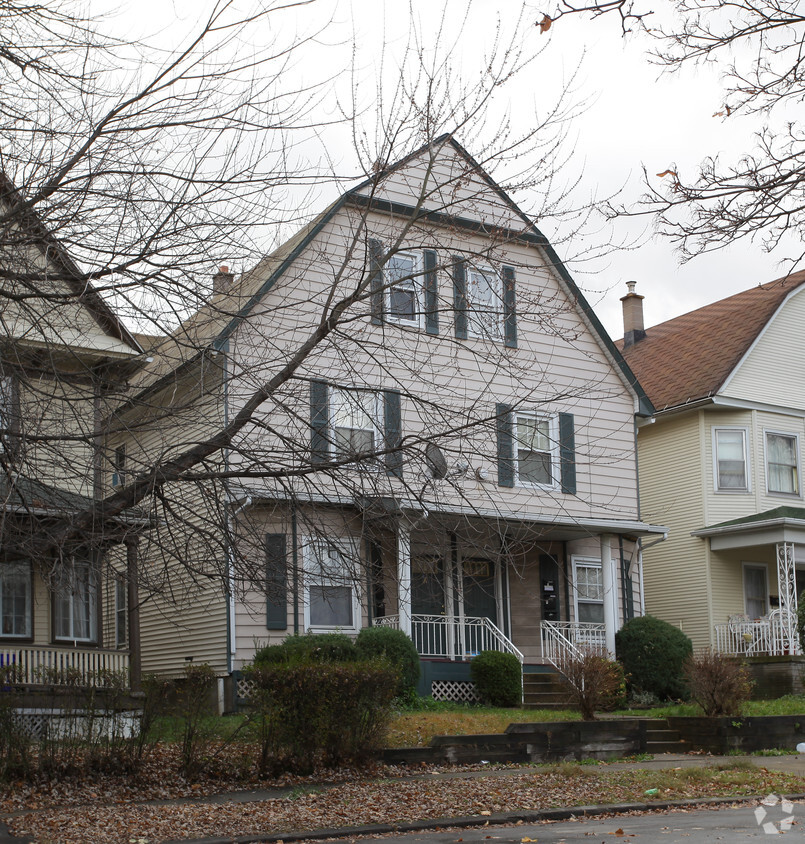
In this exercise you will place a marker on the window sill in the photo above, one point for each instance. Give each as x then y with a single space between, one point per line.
732 491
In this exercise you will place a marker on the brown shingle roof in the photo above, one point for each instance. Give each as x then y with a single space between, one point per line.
690 357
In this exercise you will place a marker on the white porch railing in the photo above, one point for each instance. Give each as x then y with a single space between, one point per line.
450 637
62 666
770 636
563 640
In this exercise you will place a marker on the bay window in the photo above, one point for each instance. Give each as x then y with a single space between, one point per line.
782 463
75 602
730 460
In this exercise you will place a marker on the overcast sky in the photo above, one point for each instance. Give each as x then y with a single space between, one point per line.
635 117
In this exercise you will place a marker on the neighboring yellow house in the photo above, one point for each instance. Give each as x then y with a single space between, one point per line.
721 465
63 355
457 461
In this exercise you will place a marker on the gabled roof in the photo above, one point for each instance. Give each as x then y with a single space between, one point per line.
83 290
212 326
689 358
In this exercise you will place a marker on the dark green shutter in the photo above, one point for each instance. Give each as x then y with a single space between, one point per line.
276 582
460 297
567 452
505 442
319 420
392 420
376 283
509 309
431 289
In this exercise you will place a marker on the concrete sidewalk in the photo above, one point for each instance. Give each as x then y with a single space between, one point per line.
787 764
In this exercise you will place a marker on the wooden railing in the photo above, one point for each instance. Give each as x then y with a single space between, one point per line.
564 640
82 667
451 637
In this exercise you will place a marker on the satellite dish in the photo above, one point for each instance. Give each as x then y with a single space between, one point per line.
436 461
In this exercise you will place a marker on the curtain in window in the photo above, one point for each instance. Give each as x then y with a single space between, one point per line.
74 604
731 460
15 599
781 458
590 593
755 591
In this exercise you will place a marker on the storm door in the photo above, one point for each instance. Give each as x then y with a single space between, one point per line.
480 601
430 629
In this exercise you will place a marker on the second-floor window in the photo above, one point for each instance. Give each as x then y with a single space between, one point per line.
730 459
355 421
119 461
536 449
782 463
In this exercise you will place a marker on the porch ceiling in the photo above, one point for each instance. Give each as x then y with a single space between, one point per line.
782 524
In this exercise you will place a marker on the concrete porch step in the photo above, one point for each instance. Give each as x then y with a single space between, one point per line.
544 690
660 738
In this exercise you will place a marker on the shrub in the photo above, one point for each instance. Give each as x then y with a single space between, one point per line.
396 647
653 655
719 685
321 647
193 703
329 713
595 682
498 678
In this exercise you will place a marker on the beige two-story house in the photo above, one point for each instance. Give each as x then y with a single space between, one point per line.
456 458
721 465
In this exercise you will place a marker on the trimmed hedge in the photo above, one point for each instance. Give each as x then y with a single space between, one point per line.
498 678
321 647
653 654
396 647
321 713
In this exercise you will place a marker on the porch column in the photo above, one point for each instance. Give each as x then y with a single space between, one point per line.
404 578
786 581
610 583
133 601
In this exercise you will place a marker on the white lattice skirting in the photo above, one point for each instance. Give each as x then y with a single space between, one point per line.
55 724
245 688
458 691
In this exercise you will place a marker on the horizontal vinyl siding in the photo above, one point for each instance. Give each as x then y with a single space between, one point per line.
675 571
765 374
558 367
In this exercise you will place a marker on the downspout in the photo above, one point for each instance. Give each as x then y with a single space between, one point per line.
295 573
231 637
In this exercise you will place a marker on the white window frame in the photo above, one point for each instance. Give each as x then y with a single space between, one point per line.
19 565
765 569
340 394
415 282
479 326
586 562
747 470
92 603
790 435
553 450
348 550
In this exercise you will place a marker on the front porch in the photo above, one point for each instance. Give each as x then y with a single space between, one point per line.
35 666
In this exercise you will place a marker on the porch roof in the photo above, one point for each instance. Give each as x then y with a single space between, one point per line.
782 524
29 497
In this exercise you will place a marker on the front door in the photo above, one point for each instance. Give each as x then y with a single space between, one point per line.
480 601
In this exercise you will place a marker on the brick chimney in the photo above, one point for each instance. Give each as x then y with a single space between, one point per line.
633 330
222 280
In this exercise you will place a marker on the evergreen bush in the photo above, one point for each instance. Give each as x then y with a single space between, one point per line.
498 678
396 647
653 655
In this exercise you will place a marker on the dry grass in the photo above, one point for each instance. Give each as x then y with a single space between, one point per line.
416 729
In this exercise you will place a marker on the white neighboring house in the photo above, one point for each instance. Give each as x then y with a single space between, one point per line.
502 510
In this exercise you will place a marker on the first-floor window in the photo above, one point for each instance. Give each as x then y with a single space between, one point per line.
756 593
75 603
121 612
782 463
15 599
332 596
536 447
589 590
